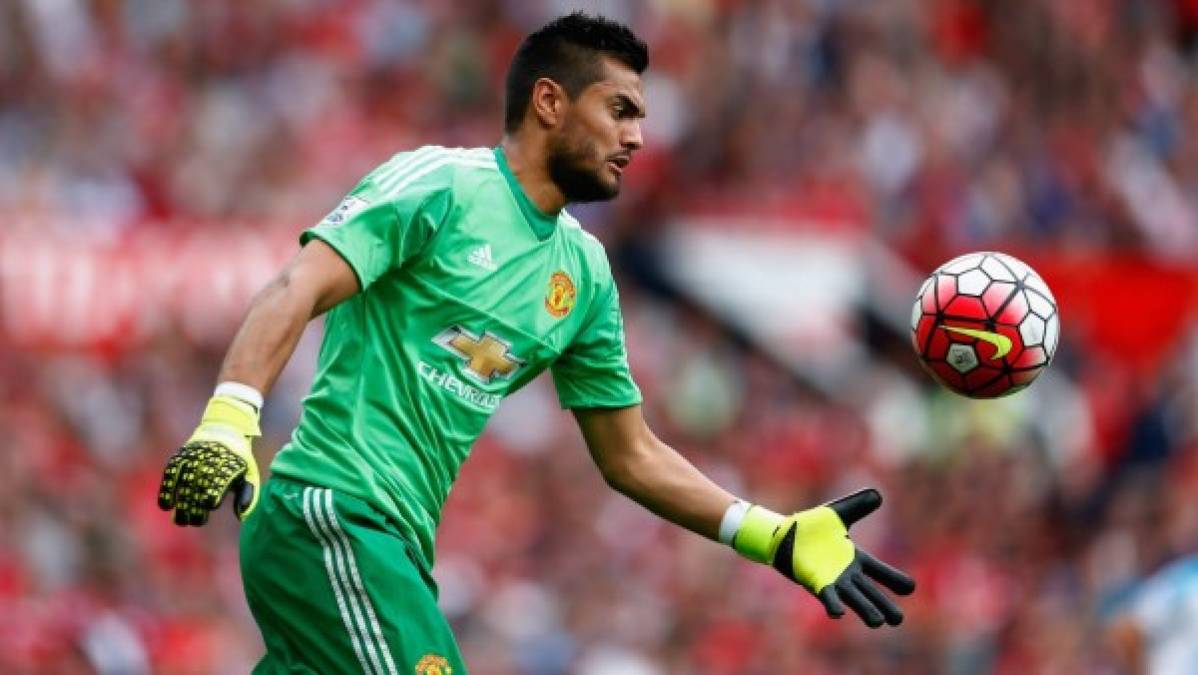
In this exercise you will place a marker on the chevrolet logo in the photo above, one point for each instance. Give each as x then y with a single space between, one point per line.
486 358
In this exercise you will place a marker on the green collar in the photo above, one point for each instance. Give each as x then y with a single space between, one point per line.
543 224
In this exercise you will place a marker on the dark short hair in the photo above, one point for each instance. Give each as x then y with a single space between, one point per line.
567 50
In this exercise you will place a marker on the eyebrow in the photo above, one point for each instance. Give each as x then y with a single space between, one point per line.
625 100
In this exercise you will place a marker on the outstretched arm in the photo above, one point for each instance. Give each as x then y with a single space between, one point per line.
636 463
811 547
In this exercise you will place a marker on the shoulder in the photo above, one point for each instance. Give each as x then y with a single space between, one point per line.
433 169
592 251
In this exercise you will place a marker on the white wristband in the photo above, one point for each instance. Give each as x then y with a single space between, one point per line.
730 525
241 392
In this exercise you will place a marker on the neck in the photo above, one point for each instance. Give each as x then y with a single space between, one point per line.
528 165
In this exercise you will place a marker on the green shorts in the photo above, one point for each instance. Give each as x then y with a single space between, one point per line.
335 589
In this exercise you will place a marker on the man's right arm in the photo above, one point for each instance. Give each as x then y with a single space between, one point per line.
374 230
218 458
313 282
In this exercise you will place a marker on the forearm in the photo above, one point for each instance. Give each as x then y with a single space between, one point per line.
663 481
268 335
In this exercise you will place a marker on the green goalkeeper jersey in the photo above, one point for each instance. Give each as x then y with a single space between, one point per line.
468 292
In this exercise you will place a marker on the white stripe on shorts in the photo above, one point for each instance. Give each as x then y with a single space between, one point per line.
357 586
334 581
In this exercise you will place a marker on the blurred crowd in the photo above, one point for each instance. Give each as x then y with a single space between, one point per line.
936 126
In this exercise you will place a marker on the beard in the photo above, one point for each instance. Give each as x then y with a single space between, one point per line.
568 165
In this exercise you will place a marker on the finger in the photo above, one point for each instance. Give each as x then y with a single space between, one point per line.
857 602
243 491
184 503
185 488
189 510
890 611
217 480
890 577
184 491
170 480
856 506
197 516
831 601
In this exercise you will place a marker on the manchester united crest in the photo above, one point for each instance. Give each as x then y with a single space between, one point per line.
431 664
561 296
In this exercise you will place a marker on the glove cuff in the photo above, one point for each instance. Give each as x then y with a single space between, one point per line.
754 539
232 413
733 517
241 392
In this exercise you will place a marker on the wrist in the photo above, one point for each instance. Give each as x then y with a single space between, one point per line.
231 413
241 392
731 522
753 537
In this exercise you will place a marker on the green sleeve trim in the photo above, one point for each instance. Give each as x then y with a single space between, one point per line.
636 399
308 235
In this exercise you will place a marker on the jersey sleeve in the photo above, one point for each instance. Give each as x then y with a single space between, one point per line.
593 372
376 232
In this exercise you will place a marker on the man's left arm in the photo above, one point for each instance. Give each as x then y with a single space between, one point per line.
811 547
636 463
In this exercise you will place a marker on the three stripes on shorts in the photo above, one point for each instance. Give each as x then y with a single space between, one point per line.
357 612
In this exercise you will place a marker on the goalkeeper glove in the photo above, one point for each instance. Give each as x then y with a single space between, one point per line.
812 548
215 460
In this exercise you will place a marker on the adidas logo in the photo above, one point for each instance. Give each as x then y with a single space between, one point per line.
481 256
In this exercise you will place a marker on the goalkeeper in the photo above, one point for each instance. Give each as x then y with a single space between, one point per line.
451 278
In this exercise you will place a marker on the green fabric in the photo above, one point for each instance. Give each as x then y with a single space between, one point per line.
335 588
594 372
542 223
463 303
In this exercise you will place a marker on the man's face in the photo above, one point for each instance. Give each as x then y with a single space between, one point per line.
601 129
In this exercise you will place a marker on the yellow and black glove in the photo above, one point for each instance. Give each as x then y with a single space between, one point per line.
216 459
812 548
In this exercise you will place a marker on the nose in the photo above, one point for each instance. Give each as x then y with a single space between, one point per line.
631 138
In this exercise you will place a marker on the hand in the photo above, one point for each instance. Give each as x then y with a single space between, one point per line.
812 548
217 459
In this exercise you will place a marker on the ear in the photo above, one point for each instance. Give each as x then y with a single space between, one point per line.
548 102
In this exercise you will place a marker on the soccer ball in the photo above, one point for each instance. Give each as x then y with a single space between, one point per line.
985 325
